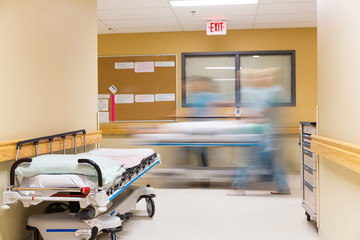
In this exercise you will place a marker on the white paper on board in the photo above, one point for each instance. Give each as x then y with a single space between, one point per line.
103 95
164 97
124 98
124 65
103 117
165 64
144 67
103 104
113 89
144 98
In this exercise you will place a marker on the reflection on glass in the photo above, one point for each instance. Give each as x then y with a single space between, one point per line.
218 69
282 76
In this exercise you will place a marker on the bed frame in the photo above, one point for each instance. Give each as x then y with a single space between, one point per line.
100 209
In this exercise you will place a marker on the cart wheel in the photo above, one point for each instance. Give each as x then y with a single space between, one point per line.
308 218
150 207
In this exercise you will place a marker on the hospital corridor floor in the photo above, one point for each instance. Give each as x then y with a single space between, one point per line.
207 213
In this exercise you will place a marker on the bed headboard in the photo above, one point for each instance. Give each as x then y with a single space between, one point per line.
43 145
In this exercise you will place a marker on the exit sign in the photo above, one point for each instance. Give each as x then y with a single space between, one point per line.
216 28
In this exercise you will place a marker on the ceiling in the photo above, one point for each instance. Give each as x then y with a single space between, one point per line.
137 16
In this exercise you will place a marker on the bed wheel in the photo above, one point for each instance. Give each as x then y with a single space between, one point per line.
150 207
308 218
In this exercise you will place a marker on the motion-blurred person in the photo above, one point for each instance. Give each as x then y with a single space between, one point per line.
259 92
202 98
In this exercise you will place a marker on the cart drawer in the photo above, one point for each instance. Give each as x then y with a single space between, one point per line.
309 129
310 205
310 177
306 144
307 148
310 193
306 137
310 161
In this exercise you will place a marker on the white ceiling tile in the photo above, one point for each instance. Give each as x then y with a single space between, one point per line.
287 8
148 29
195 20
285 1
105 31
239 26
229 27
216 11
148 22
279 18
101 25
195 28
158 15
119 14
285 25
126 4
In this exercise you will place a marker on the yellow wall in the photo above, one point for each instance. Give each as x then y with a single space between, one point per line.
48 79
303 40
339 114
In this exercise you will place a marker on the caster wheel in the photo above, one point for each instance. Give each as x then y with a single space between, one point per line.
308 218
150 207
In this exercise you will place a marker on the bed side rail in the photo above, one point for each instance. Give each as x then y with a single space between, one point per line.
29 160
14 166
51 138
97 168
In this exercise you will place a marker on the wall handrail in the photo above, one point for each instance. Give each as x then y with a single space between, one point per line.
8 149
51 138
344 153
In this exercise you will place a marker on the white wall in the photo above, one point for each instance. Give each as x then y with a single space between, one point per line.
48 79
339 114
48 68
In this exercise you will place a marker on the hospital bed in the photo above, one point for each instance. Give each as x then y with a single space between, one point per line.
97 185
214 133
206 133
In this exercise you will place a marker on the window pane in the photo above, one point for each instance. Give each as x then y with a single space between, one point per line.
218 70
276 67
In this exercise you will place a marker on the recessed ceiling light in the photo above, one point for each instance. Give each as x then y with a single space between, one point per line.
223 79
218 68
188 3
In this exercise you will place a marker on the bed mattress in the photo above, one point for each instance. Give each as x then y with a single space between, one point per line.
40 175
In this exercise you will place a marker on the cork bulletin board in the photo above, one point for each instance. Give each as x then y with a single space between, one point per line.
137 88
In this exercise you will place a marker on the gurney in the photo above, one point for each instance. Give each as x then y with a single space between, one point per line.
97 185
203 134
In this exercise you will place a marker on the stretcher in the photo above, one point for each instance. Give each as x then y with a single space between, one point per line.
96 184
204 134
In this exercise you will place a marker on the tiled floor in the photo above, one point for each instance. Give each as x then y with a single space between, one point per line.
207 213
